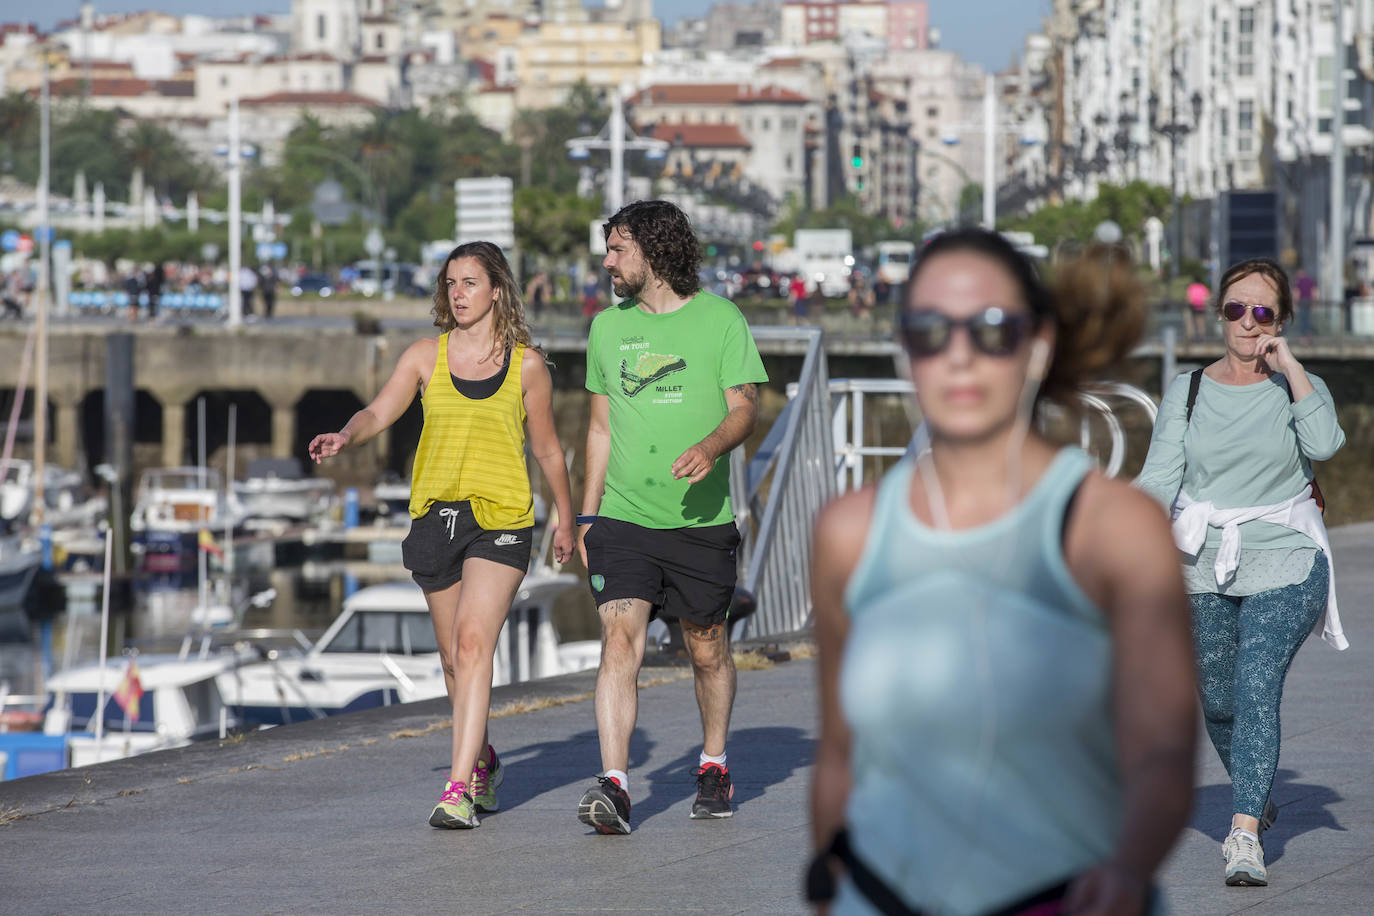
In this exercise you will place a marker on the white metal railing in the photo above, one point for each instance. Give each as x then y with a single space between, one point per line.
847 422
796 466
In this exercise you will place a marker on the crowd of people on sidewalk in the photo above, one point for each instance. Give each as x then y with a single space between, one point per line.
1010 642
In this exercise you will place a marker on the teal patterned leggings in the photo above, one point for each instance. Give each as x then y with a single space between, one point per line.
1244 647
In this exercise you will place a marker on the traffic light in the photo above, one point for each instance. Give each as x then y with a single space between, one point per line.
758 245
858 159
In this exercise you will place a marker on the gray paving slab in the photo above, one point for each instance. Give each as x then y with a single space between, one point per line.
329 817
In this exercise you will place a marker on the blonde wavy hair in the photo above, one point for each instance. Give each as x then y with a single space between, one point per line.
508 308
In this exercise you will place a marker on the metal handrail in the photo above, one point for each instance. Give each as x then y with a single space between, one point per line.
847 422
797 465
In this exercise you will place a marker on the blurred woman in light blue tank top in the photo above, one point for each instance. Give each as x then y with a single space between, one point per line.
1005 663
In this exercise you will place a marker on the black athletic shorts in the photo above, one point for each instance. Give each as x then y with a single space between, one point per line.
688 573
441 539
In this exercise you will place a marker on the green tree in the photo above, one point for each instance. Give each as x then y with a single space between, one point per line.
553 224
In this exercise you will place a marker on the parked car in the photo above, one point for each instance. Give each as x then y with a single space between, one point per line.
316 283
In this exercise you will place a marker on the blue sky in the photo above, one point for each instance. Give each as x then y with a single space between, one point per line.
988 32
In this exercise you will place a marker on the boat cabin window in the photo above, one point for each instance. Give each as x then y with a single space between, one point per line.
204 700
83 713
390 631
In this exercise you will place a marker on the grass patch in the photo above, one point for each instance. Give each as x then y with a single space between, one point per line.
10 815
803 650
184 780
752 661
520 707
436 726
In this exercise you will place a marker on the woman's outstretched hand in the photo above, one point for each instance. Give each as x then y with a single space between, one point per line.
327 445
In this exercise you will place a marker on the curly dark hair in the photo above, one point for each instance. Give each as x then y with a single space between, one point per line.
664 234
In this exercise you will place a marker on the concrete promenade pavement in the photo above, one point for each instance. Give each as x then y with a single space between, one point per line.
329 817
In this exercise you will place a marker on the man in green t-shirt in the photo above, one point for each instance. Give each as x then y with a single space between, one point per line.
673 375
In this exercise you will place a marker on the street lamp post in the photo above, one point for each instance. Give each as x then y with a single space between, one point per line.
615 137
1173 129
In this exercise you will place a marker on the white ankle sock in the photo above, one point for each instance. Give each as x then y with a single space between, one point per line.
621 777
706 758
1243 832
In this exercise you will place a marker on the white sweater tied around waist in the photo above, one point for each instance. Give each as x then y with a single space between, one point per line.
1192 519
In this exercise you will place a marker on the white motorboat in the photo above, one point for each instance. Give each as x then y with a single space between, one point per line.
181 703
19 561
381 650
66 498
276 491
172 507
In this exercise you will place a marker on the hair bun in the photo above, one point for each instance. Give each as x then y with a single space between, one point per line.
1099 303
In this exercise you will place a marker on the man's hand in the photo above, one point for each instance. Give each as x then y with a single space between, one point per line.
695 463
581 543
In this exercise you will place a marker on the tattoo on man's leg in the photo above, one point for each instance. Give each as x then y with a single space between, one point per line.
704 634
618 606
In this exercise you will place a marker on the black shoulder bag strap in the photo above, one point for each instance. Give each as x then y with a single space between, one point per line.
1194 383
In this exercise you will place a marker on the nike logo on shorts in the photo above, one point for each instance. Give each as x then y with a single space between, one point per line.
506 540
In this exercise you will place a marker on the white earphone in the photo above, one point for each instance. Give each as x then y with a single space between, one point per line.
1039 360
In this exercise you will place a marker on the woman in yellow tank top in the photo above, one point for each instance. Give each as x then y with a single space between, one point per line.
482 387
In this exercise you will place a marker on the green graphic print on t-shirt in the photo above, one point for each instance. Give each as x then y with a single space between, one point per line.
665 377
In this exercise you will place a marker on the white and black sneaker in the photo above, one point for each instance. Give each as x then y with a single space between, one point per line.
1244 860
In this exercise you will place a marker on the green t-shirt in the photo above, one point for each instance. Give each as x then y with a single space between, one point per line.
665 378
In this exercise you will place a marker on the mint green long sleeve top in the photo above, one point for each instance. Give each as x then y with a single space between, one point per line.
1247 445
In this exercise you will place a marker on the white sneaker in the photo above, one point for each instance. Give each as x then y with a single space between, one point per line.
1244 860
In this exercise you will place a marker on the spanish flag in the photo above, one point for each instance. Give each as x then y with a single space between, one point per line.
130 691
207 543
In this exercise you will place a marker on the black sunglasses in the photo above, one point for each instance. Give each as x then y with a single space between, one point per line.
993 331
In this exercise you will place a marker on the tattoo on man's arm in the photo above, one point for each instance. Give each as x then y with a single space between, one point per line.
749 390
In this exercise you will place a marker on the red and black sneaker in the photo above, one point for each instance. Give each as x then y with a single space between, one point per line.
605 807
713 792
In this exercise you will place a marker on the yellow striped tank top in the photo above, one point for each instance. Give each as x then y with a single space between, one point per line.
474 449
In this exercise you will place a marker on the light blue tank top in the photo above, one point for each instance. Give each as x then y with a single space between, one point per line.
976 681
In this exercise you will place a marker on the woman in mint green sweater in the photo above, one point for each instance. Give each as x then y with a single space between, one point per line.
1232 456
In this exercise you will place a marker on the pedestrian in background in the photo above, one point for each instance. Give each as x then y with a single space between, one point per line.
13 294
267 281
482 386
673 375
1306 288
537 293
157 279
1007 722
1198 296
1231 457
133 289
248 282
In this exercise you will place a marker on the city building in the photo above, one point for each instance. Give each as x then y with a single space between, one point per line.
772 122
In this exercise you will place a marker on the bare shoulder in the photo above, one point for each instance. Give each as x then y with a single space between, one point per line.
1117 535
841 528
422 352
534 369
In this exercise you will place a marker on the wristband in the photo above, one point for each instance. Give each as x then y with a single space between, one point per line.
586 519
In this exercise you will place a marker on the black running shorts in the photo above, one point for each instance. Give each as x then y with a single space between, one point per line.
687 573
441 539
